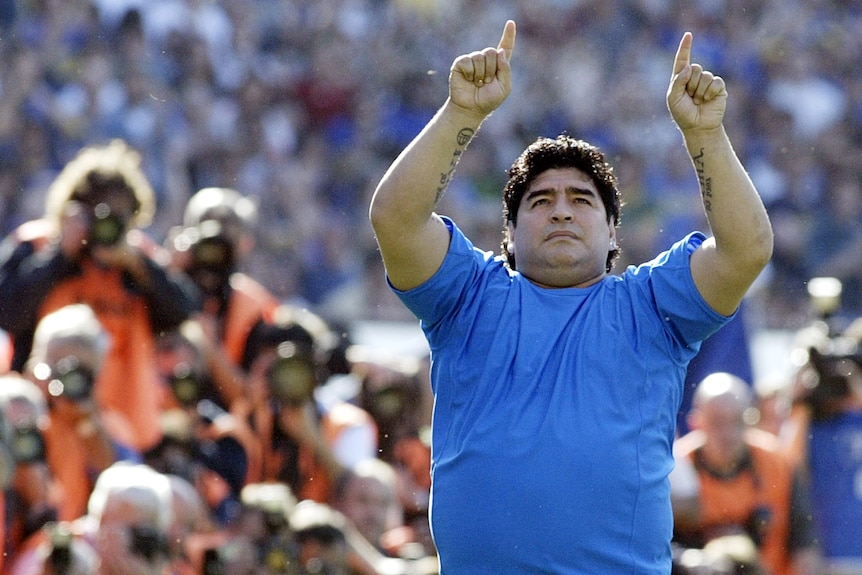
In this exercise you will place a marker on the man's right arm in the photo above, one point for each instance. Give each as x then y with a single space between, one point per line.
413 240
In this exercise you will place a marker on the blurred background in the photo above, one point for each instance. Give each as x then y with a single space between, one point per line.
302 104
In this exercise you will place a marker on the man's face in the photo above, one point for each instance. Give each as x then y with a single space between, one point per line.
123 540
723 424
563 234
368 503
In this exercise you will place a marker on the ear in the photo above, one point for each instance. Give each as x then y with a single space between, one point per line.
510 238
613 236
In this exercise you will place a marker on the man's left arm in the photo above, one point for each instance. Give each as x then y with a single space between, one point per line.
726 265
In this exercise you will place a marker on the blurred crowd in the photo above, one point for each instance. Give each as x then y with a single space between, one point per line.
188 314
301 104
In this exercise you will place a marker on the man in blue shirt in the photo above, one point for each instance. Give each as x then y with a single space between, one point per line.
556 383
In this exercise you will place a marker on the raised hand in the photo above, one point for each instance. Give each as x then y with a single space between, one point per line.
696 97
480 81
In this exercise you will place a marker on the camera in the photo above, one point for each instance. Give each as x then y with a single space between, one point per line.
212 251
836 373
60 557
148 542
293 375
106 227
68 378
27 444
273 503
186 385
832 357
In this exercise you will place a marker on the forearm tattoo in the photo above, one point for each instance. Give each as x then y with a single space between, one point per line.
464 137
704 182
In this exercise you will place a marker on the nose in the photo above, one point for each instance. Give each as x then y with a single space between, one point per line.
562 211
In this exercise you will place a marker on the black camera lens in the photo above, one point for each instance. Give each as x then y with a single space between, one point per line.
279 560
212 263
388 403
106 228
215 253
71 380
27 445
60 557
213 562
292 376
147 542
185 385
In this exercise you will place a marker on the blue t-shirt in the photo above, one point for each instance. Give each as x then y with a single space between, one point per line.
554 412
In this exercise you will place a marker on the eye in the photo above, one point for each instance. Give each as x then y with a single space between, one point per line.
539 202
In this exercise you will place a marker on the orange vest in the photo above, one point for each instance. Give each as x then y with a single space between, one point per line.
67 459
767 483
128 382
249 303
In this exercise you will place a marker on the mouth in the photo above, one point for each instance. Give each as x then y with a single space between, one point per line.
562 234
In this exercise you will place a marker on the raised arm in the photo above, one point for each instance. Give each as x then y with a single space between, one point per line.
726 265
413 240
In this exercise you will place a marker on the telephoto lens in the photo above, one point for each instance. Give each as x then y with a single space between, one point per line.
106 228
292 376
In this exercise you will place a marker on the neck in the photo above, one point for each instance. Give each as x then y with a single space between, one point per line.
726 469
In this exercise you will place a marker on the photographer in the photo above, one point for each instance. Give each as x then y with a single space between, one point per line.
211 247
82 439
306 444
60 551
203 442
823 433
743 485
89 248
28 501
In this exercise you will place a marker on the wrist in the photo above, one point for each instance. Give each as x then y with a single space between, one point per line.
699 139
462 117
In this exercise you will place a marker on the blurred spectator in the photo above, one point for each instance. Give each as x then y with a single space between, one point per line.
822 434
212 247
130 512
191 518
60 550
29 501
395 393
744 485
236 92
88 249
306 444
209 448
193 401
69 348
367 496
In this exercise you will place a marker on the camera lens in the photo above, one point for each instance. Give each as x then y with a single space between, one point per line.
27 445
185 385
213 253
148 542
292 376
71 380
105 228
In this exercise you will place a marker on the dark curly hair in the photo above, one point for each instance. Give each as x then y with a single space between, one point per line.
560 152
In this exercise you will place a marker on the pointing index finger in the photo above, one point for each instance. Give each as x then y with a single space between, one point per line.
507 41
683 54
